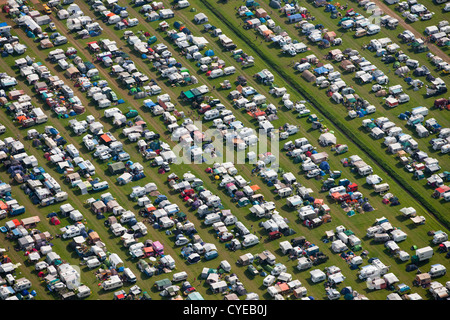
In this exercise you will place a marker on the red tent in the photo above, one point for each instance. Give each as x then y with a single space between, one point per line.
55 221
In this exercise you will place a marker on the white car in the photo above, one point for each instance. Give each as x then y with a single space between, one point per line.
181 241
313 173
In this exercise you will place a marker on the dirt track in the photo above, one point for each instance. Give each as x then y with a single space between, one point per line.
433 48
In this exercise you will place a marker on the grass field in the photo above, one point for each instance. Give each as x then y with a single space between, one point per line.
357 223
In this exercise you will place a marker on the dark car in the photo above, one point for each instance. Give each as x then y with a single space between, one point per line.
411 267
252 270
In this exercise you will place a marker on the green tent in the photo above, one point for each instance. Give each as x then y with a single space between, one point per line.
188 94
181 216
348 232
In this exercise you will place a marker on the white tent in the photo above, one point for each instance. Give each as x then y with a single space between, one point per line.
327 139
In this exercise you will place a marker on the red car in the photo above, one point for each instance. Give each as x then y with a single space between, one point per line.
275 235
188 290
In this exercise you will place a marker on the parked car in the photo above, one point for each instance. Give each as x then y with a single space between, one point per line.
181 241
226 237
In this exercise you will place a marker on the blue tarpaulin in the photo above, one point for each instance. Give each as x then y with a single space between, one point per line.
320 70
149 104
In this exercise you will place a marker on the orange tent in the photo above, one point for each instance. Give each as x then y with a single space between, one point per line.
267 33
148 251
110 14
283 287
151 209
256 114
3 206
318 201
255 187
336 195
93 236
21 118
105 138
16 222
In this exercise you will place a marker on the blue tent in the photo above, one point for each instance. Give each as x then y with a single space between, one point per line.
249 13
295 17
402 116
324 166
52 214
120 101
320 70
144 56
209 53
345 290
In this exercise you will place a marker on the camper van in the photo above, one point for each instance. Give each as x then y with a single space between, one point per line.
113 283
180 276
303 66
183 4
129 275
269 280
229 70
212 218
437 270
382 187
216 73
250 240
93 263
211 114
